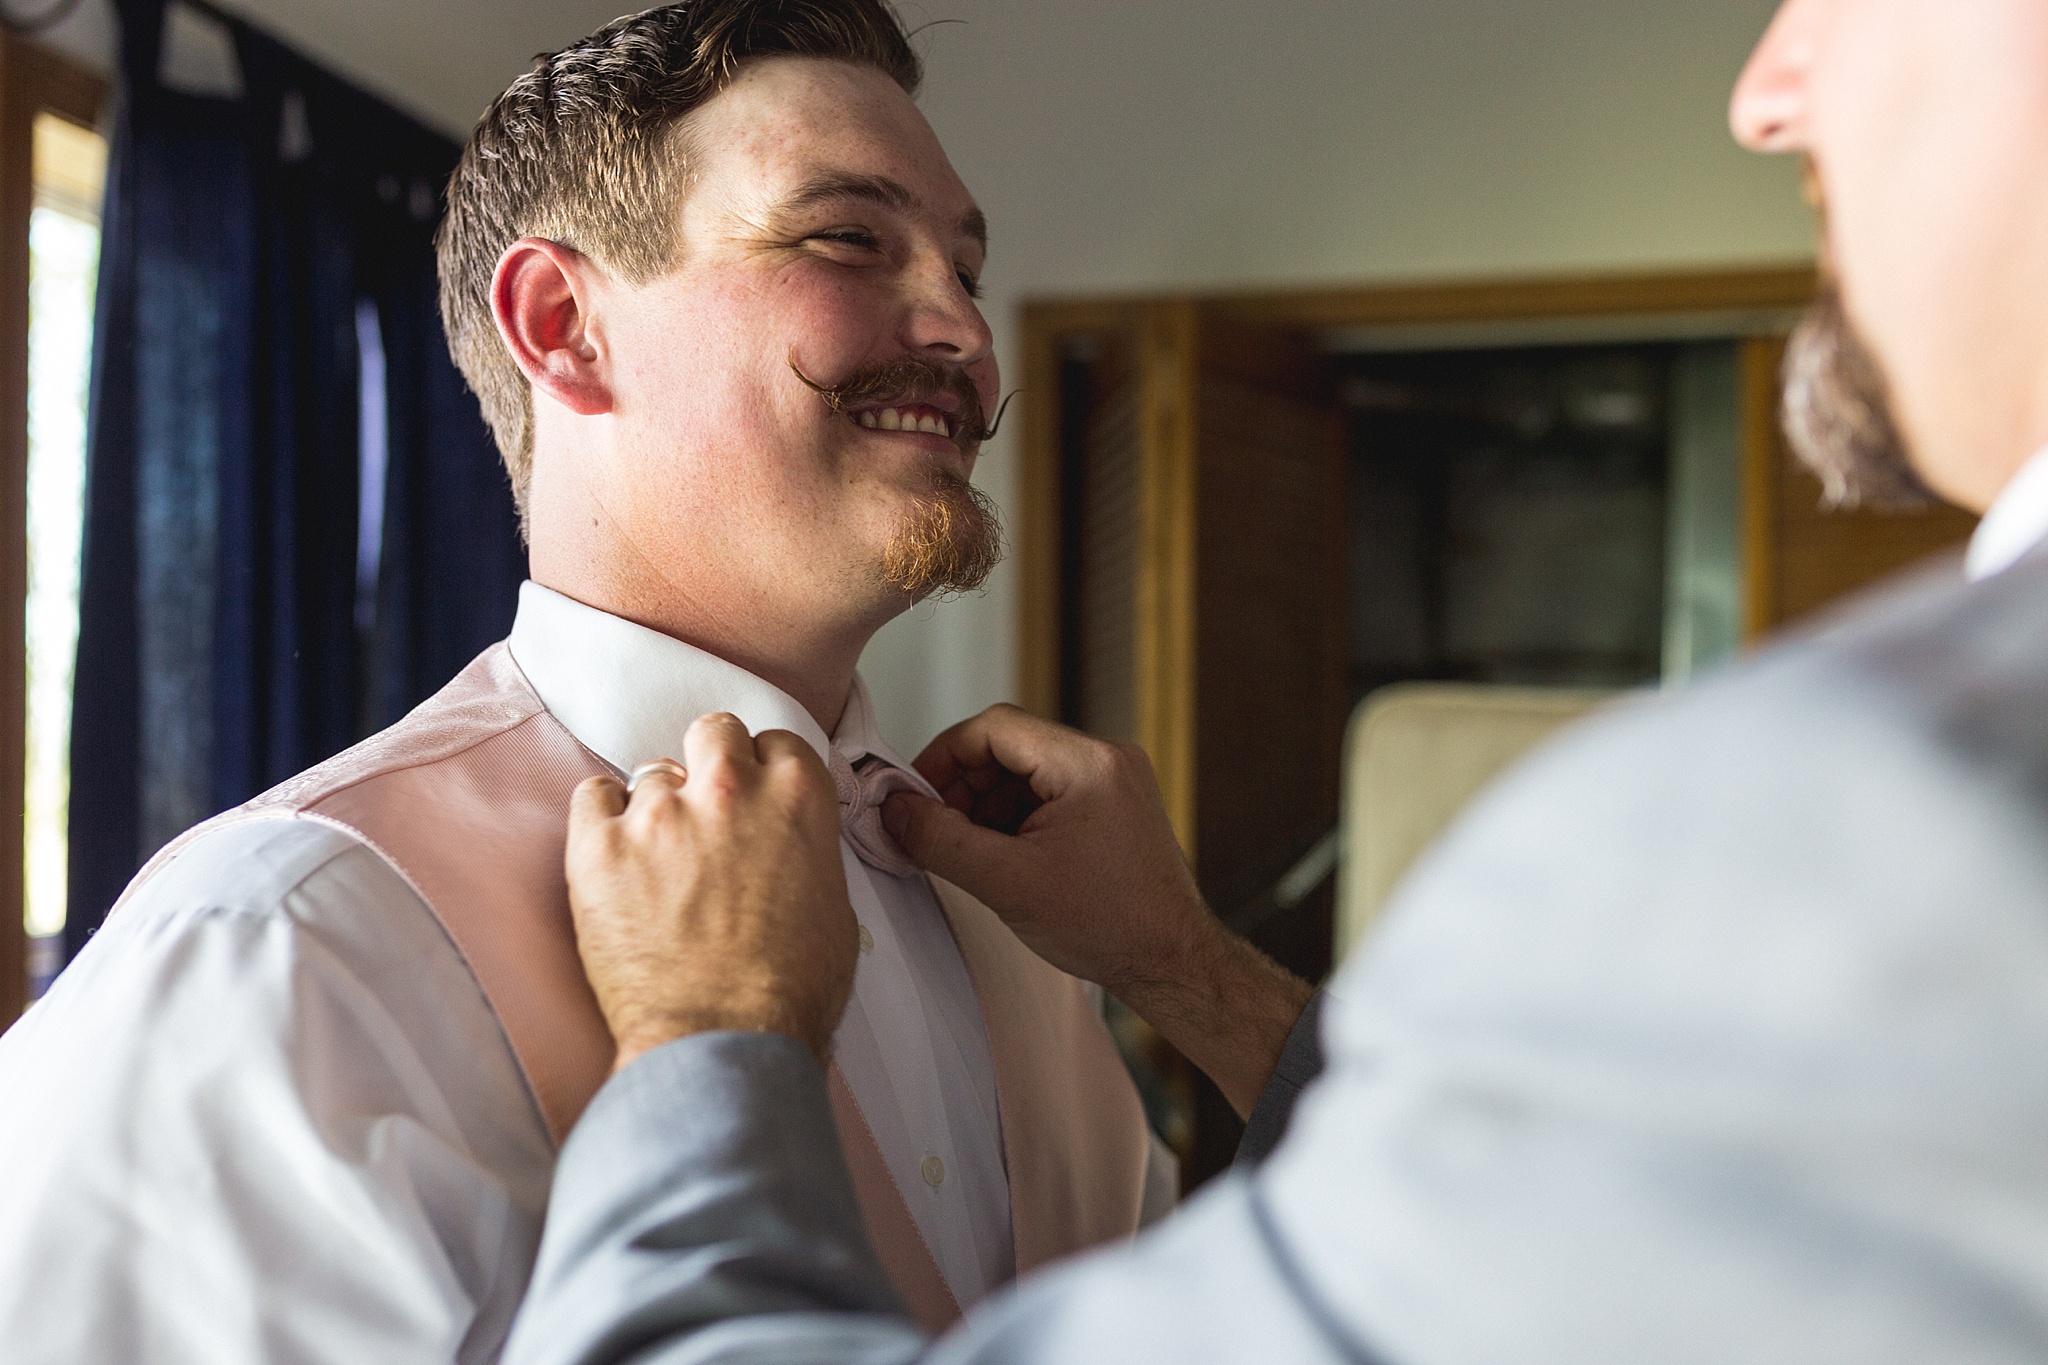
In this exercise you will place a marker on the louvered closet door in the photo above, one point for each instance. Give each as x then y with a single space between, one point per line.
1105 588
1269 610
1201 614
1268 646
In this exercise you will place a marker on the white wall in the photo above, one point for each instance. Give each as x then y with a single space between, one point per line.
1131 145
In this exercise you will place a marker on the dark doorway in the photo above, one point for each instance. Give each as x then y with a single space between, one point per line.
1508 513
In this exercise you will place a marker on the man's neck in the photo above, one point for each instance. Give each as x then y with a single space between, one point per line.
714 599
811 661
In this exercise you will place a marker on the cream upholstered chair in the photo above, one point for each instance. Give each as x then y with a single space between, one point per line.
1414 755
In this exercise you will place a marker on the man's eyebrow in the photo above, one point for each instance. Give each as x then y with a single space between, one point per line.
872 189
975 225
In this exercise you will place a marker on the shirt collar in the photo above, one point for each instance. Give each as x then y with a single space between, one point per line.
2015 523
628 694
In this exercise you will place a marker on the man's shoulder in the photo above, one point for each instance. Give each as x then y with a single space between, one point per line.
1932 670
1925 648
254 857
258 865
486 699
1877 784
315 890
1778 930
270 941
276 1012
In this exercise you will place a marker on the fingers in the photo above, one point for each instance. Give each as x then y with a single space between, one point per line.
593 806
773 747
945 842
1004 807
722 759
957 752
652 791
782 752
1005 739
718 751
647 770
595 799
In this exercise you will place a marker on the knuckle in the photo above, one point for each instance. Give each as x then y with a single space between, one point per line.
792 760
723 726
819 787
720 783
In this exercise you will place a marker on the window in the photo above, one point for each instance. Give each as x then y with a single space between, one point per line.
52 177
64 241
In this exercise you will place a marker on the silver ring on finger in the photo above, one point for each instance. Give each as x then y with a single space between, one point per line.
659 765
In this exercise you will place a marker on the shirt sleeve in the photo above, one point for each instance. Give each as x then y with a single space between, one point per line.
1301 1061
266 1116
702 1212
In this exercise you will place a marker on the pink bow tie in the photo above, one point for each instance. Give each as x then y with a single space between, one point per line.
862 791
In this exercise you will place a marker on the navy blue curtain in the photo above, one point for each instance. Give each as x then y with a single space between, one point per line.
236 624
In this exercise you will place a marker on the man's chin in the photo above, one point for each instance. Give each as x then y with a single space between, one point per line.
949 541
1838 414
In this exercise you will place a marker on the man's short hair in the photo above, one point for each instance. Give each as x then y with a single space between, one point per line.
586 150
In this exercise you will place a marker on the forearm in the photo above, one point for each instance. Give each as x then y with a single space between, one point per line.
1225 1005
702 1210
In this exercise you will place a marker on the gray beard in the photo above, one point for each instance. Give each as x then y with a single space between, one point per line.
1838 415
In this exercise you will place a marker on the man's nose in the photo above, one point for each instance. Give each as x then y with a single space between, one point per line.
944 325
1769 110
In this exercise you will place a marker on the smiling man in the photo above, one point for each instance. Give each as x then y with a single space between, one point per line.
712 279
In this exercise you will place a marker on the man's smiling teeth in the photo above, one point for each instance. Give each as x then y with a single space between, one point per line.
906 419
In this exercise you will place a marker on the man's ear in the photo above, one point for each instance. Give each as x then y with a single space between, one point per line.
540 296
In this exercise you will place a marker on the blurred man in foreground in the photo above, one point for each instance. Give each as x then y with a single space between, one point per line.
1715 1033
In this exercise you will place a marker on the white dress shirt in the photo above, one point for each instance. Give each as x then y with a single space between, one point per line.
2014 524
268 1116
912 1046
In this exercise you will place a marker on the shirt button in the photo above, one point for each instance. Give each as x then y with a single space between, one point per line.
934 1172
867 940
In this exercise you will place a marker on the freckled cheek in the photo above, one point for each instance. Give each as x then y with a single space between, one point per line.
835 319
710 350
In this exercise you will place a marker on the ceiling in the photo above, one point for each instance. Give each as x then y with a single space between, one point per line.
443 60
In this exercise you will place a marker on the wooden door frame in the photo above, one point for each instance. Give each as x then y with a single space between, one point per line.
1166 328
1761 438
33 80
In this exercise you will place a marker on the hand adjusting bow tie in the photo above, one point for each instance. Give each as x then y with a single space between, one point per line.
862 791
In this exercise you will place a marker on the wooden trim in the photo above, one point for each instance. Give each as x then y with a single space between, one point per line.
1762 453
32 80
1064 318
1563 296
17 193
1168 366
58 85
